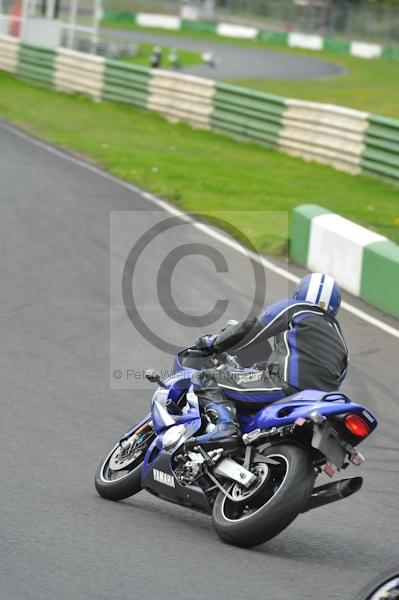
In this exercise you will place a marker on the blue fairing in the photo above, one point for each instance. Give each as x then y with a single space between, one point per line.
158 442
280 412
300 405
158 454
180 381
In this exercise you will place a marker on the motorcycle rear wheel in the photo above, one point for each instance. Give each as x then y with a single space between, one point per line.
260 518
119 474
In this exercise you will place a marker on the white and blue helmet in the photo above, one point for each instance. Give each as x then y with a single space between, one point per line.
320 289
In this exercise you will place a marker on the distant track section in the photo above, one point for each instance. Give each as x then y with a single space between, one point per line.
293 39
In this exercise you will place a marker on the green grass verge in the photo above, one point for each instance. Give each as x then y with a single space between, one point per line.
198 170
369 85
143 55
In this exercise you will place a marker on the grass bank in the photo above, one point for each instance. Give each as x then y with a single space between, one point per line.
369 85
198 170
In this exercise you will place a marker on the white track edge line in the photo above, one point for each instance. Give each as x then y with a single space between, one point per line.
361 314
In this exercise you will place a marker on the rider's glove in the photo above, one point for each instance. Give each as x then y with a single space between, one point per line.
205 343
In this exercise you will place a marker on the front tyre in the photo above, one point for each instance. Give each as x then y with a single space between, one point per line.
253 519
119 474
385 586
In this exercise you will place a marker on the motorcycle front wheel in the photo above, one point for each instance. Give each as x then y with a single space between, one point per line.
119 474
253 516
385 586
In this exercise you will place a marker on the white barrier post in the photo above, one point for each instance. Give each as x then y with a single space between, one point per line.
73 9
50 9
97 16
24 16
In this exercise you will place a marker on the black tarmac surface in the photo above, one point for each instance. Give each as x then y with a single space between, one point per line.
235 62
59 539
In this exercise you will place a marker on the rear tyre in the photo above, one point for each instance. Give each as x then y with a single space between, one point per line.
119 474
275 503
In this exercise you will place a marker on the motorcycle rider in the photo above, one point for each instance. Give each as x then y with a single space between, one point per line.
309 352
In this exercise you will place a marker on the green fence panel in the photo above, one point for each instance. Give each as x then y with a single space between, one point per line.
249 114
376 168
126 79
254 121
392 53
252 108
36 64
126 83
35 75
265 136
336 45
247 103
381 155
204 26
236 130
247 122
301 222
383 127
376 134
251 94
135 99
279 37
380 276
36 54
121 17
124 91
227 127
123 67
381 144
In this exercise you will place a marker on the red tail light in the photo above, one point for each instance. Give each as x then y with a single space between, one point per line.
357 425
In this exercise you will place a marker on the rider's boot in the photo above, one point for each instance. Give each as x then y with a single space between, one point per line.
222 429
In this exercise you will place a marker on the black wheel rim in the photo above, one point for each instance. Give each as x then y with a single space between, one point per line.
238 511
126 459
386 591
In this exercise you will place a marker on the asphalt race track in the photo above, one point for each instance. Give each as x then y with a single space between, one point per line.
234 62
59 539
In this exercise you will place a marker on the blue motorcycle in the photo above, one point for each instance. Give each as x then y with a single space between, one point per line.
256 489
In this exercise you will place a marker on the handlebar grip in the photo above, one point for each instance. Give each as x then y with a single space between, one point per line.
198 352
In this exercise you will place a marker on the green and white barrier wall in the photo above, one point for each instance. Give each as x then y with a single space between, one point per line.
292 39
364 263
346 139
